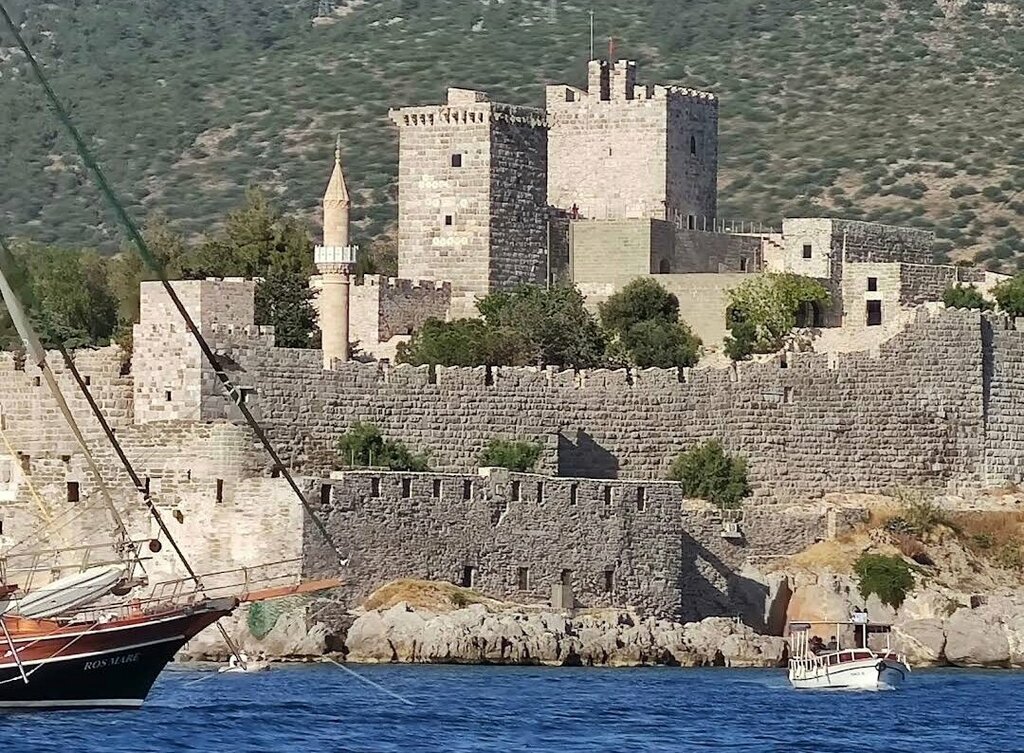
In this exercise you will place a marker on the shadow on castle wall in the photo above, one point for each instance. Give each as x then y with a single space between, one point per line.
585 458
732 595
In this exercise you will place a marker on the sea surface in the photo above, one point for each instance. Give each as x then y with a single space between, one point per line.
436 708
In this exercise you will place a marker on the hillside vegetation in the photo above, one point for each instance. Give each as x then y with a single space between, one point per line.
890 110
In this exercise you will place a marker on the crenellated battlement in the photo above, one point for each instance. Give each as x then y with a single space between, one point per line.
429 116
401 284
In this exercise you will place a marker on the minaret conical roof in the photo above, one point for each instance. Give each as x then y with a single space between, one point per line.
337 191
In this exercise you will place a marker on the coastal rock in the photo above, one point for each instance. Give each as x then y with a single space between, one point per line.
609 638
975 638
923 641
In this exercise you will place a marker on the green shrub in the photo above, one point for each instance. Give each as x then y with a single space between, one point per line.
516 455
962 189
707 472
888 577
364 446
965 297
1009 294
661 344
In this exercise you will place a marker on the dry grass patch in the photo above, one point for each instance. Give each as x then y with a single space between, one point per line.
430 595
996 535
839 554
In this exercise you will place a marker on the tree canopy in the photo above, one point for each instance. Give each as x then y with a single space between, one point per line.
764 309
965 297
1009 294
79 297
642 321
528 326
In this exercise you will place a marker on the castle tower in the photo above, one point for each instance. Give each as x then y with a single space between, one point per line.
335 260
472 194
622 150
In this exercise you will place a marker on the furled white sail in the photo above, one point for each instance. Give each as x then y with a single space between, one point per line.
69 593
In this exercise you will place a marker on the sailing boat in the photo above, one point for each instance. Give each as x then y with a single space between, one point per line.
78 641
85 640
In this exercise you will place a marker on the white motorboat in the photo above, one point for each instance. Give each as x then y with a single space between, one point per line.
847 660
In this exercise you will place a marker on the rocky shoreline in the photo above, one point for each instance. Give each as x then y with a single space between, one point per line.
608 638
987 635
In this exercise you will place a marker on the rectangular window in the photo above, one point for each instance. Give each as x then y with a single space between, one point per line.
574 491
26 463
167 396
566 578
220 490
375 487
872 284
515 491
448 220
406 488
468 576
467 489
540 492
743 264
437 488
36 381
691 222
641 499
787 395
607 496
145 485
87 379
456 160
73 492
325 494
609 580
874 312
523 579
807 250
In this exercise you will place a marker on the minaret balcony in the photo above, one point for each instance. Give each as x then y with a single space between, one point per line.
335 255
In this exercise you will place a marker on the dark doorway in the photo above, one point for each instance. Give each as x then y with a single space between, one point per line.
874 313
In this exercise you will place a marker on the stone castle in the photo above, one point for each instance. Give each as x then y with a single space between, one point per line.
932 400
606 184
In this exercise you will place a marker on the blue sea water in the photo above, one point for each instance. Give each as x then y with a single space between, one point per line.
509 709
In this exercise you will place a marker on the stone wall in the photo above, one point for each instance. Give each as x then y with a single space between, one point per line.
812 424
214 489
167 365
519 205
874 242
699 251
384 311
640 545
617 251
623 151
610 251
925 282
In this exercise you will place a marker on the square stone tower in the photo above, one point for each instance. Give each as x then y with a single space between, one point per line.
472 194
621 150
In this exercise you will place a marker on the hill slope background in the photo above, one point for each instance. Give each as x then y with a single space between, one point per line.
896 111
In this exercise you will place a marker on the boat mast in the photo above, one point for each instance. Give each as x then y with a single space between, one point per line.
38 355
233 393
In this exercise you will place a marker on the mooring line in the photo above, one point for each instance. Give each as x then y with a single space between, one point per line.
368 681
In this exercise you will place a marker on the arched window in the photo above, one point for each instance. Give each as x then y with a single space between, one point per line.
664 267
693 145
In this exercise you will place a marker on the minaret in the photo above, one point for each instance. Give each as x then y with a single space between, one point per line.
335 260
